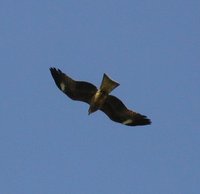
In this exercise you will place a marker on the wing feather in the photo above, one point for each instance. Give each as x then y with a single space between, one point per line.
76 90
117 111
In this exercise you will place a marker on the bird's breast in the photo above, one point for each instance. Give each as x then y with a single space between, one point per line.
99 98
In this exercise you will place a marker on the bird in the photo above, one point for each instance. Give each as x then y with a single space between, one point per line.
99 99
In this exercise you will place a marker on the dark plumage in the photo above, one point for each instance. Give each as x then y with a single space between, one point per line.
98 99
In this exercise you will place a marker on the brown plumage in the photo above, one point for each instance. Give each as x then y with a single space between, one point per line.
98 99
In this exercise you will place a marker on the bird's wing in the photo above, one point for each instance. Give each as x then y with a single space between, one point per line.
117 111
76 90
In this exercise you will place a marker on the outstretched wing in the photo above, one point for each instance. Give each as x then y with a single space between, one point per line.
117 111
76 90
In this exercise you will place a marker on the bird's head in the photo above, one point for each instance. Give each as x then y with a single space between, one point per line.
92 109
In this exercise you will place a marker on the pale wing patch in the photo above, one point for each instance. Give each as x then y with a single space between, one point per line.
128 121
62 86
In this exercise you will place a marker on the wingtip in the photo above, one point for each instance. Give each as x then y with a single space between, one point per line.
140 120
55 71
57 76
145 120
52 70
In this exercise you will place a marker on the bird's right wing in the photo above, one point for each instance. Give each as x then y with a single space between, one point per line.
117 111
76 90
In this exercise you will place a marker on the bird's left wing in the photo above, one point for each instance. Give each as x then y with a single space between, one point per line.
117 111
76 90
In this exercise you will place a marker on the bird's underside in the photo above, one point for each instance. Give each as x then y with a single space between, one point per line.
98 99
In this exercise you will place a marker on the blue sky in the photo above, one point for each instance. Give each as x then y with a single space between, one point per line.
48 143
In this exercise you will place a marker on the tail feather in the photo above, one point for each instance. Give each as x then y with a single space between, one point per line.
107 84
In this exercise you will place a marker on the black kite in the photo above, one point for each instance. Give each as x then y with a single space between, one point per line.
98 99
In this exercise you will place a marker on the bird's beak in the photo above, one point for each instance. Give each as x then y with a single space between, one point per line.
91 110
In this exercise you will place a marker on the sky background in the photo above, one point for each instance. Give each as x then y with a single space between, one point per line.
48 143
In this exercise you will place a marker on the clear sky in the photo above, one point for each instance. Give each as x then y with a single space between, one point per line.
48 143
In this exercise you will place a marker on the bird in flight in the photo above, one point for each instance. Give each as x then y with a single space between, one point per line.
98 99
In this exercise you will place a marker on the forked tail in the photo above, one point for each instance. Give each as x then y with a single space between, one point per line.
107 84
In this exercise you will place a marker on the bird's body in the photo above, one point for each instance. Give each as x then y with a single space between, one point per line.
98 99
